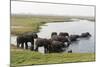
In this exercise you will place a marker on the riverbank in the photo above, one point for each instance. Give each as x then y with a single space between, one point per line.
20 57
21 23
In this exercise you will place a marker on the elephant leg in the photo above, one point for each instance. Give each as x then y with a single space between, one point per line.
45 50
48 50
67 45
32 46
26 45
22 45
36 49
18 45
51 49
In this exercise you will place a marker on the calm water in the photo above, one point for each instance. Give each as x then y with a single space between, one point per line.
84 45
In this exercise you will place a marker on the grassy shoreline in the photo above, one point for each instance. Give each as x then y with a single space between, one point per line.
24 23
21 24
20 57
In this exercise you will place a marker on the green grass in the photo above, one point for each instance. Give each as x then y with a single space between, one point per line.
20 25
24 23
20 57
28 23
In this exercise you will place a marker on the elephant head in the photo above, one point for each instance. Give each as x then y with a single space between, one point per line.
30 35
63 34
53 33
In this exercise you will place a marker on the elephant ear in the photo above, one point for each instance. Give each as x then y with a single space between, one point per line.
33 35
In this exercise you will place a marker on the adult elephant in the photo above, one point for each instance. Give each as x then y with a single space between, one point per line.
64 34
53 33
87 34
57 46
59 38
46 43
62 39
49 45
25 38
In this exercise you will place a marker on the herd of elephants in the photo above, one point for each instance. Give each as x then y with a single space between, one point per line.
54 44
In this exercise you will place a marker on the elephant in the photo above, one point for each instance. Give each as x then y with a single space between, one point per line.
57 46
87 34
25 38
20 40
43 42
64 34
53 33
49 45
62 39
73 37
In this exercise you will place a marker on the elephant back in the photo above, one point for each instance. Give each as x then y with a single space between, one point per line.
63 34
59 38
30 35
74 37
55 37
85 34
42 42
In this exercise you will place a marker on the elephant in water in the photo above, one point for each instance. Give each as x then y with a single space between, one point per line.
64 34
62 39
25 38
49 45
59 38
53 33
73 37
57 46
87 34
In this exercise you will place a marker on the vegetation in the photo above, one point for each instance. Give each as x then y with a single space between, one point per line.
26 23
20 57
22 23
